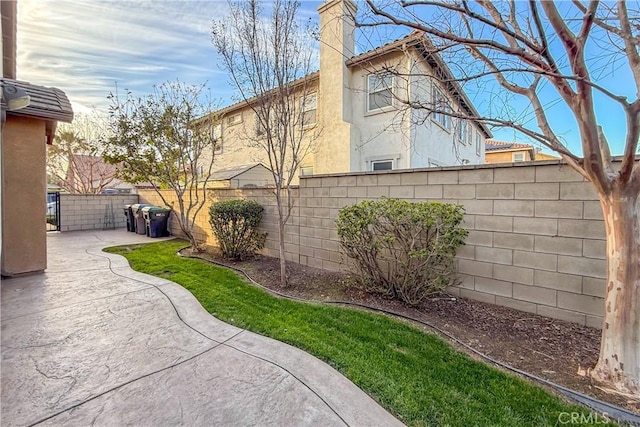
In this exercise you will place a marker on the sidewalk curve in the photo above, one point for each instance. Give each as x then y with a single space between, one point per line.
91 341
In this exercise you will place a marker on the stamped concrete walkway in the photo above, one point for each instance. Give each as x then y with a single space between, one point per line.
91 342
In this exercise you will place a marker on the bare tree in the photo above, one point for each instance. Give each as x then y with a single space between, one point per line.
73 161
269 60
158 140
532 49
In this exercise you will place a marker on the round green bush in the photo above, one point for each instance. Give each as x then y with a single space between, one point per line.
400 249
235 225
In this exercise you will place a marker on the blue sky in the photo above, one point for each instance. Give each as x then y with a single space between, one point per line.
87 47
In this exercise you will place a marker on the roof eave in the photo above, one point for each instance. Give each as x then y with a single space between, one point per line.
245 103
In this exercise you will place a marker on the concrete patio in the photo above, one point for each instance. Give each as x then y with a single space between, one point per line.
93 342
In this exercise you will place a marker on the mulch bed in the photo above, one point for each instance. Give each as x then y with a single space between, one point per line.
552 349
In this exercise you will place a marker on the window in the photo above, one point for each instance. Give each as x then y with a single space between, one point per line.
260 130
464 132
309 106
306 171
234 119
382 165
379 91
478 143
518 157
217 138
441 107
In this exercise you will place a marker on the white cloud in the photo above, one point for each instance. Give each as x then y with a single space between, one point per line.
85 47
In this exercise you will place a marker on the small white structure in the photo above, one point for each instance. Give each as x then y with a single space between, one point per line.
243 176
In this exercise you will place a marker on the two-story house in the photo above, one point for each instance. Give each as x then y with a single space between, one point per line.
358 109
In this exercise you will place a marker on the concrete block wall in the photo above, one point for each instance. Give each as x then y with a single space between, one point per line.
87 211
203 232
536 234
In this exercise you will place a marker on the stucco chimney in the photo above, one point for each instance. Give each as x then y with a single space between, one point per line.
337 44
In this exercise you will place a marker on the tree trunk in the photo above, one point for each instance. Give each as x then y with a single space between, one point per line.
619 360
283 262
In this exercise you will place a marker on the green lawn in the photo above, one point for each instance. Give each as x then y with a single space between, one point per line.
416 376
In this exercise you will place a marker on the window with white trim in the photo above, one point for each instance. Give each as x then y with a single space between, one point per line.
379 91
441 107
306 171
216 132
260 130
309 106
382 165
234 119
518 157
464 132
478 143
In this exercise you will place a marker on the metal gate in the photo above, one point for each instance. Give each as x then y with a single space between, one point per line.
53 211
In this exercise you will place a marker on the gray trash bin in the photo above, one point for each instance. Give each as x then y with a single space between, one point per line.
128 214
138 219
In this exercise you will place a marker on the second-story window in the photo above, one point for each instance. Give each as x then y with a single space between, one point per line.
217 138
260 130
464 132
478 143
379 91
309 106
234 119
518 157
441 108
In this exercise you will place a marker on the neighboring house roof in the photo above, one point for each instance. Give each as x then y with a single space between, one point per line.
418 40
46 102
493 145
233 171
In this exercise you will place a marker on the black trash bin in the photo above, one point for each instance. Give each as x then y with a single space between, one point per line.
157 220
128 214
138 219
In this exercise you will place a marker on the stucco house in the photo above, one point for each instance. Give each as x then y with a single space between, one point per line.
513 152
356 107
29 114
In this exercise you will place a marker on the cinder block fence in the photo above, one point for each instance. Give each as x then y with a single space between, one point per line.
536 240
89 211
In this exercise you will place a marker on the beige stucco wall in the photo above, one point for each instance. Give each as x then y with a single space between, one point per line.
506 156
24 187
241 146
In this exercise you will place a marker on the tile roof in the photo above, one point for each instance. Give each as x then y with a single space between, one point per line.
46 102
493 145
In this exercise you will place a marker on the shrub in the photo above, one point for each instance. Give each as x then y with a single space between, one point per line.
400 249
235 224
